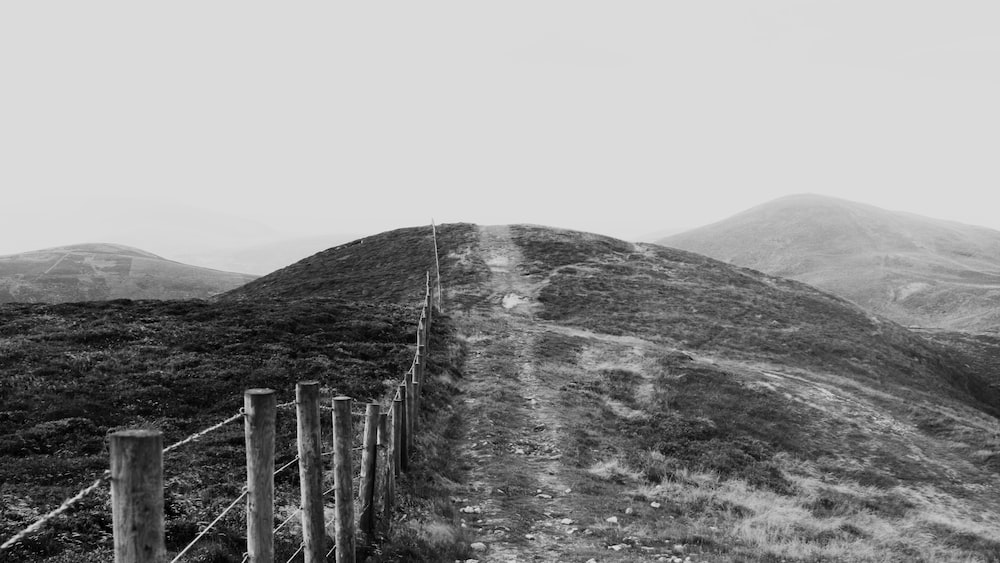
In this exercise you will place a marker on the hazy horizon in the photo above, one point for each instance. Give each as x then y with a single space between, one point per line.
182 128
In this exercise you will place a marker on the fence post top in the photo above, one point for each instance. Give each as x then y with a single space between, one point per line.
310 383
259 392
341 398
137 433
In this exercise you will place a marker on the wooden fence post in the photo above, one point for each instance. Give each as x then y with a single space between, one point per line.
411 411
385 482
311 471
437 266
404 431
343 438
137 496
421 350
260 408
414 396
397 433
427 300
425 319
369 455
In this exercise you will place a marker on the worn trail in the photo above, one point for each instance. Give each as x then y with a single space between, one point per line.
517 502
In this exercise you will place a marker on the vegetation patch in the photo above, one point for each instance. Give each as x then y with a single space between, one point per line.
72 373
389 266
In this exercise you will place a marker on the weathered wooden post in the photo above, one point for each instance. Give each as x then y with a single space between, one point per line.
397 433
414 395
404 416
260 409
421 351
311 471
343 437
425 318
137 496
385 482
437 264
427 300
411 411
369 455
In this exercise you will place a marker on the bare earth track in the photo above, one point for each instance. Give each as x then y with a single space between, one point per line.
519 499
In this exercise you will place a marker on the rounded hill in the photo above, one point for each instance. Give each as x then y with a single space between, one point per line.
102 271
915 270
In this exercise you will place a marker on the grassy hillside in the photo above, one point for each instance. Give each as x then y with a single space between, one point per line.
71 373
93 272
740 416
391 265
915 270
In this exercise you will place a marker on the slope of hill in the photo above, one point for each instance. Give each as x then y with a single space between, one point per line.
594 399
638 403
912 269
92 272
388 266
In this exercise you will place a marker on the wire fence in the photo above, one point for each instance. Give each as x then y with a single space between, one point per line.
395 448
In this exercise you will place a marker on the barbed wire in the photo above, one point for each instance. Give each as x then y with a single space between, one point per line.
209 527
286 466
66 505
302 546
106 475
201 433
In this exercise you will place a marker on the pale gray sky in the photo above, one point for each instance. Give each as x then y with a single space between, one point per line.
185 125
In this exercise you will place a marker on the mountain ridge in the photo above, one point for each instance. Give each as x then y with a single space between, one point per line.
101 271
913 269
589 398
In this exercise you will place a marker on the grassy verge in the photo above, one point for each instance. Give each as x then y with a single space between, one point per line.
716 461
428 526
72 373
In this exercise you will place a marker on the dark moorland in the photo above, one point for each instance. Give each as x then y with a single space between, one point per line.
769 420
71 373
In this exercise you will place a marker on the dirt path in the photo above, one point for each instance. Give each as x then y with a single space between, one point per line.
518 500
514 486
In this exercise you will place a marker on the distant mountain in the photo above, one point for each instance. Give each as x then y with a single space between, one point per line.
912 269
93 272
750 417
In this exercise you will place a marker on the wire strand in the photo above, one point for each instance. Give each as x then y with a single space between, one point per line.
209 527
66 505
287 465
201 433
287 520
302 546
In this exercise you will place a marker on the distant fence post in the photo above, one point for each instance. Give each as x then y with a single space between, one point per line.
137 496
260 407
369 455
437 262
310 471
427 310
385 486
411 411
421 350
404 430
397 433
343 437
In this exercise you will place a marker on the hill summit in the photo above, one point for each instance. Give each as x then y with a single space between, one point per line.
102 271
912 269
587 398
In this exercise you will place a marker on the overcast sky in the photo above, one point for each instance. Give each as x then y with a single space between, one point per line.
187 124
